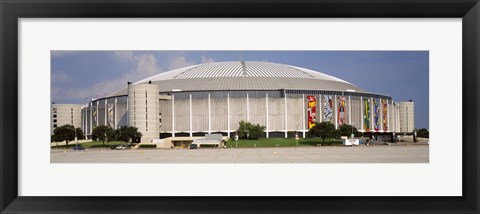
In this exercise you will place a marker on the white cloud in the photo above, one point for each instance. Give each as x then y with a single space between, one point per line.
207 60
124 56
147 64
144 66
180 62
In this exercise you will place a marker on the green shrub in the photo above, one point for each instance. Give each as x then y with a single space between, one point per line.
208 146
248 130
148 146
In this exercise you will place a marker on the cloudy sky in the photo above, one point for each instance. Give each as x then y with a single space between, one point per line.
79 76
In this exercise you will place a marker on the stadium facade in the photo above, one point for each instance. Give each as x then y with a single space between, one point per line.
214 97
65 114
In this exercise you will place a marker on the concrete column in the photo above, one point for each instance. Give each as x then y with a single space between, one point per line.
320 108
372 112
399 125
209 116
173 115
392 107
228 115
106 112
380 116
248 110
91 118
349 111
190 117
266 115
285 114
97 113
335 111
388 116
303 114
361 114
115 115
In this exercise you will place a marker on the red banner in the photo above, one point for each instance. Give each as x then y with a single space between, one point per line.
312 111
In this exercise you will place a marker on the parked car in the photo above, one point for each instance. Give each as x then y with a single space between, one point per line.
193 146
121 147
78 147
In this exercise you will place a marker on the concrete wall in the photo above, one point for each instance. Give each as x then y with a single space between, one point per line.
143 110
407 116
63 114
197 113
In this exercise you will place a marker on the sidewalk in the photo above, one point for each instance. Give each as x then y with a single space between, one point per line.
70 143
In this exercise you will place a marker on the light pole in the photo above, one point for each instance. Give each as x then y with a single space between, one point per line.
76 140
296 135
352 135
296 138
236 140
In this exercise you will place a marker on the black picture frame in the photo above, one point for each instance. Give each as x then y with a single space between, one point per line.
11 11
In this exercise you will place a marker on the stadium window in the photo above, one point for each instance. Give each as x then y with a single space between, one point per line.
54 116
54 125
54 121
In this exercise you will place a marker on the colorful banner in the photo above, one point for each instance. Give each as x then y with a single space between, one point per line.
341 110
110 115
327 108
312 111
376 115
366 115
384 114
94 116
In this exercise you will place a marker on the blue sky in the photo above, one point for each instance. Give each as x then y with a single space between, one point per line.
77 75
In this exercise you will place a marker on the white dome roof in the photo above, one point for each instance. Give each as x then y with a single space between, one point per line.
245 75
241 69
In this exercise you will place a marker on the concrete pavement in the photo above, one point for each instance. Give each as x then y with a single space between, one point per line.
327 154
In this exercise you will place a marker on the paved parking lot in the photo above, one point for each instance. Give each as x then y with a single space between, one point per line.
333 154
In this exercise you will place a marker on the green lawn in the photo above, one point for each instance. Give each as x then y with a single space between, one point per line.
94 144
283 142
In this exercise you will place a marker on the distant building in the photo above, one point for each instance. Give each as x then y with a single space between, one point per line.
214 97
63 114
407 116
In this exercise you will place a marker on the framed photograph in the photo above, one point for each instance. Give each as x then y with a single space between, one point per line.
226 106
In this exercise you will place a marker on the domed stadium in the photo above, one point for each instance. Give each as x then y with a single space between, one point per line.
215 97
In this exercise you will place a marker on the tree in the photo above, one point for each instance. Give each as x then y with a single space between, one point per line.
80 134
134 134
247 130
64 133
100 133
111 135
346 130
423 133
121 134
323 130
127 134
